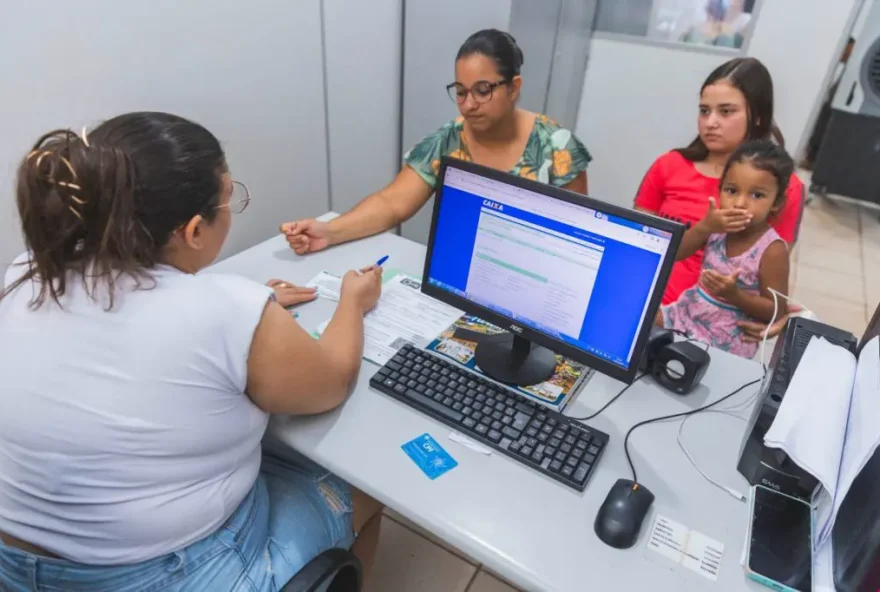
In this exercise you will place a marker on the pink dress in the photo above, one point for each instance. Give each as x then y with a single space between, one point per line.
705 318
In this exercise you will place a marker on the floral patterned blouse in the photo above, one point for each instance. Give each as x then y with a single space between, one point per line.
553 154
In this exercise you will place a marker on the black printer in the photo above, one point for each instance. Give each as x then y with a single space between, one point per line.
771 467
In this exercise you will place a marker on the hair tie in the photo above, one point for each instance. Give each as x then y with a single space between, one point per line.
85 139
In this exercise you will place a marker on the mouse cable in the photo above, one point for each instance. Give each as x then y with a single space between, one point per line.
613 399
731 491
632 467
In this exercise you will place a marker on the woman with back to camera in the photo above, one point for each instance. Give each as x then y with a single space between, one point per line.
736 104
136 391
491 131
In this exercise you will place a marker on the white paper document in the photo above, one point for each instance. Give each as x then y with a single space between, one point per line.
811 422
829 422
403 315
690 548
326 285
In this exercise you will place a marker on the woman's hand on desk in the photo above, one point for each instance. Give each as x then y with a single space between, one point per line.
306 236
362 288
287 294
753 332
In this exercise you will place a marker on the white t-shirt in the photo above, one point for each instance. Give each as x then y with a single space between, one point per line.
127 434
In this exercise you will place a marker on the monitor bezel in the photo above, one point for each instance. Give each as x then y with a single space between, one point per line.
626 375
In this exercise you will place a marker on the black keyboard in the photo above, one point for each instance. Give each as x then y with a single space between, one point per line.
544 440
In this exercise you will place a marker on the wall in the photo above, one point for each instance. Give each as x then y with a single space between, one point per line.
363 44
640 100
433 32
238 68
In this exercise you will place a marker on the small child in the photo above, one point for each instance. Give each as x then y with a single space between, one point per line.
743 257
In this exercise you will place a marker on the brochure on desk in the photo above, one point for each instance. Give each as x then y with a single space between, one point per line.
555 393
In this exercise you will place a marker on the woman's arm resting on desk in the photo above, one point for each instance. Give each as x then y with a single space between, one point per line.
290 372
377 213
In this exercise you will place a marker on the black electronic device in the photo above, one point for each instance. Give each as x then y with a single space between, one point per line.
543 440
621 515
680 366
560 272
780 541
771 467
658 338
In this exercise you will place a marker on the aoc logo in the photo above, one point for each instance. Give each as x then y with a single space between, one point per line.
493 205
516 329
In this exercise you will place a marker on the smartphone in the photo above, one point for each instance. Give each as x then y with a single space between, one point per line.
780 541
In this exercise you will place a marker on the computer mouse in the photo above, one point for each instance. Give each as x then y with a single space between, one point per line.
620 518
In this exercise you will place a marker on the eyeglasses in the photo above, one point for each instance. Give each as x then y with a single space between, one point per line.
481 91
239 199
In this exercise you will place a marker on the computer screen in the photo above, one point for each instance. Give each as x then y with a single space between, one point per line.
574 270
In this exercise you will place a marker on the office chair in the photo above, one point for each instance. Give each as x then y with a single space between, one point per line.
334 570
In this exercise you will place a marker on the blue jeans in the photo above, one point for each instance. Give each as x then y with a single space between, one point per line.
294 512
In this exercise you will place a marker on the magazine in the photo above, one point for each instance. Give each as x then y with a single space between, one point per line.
459 341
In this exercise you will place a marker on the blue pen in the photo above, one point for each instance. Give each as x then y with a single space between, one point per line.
381 261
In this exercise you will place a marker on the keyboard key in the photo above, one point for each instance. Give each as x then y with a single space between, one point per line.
469 401
477 416
525 407
536 458
570 439
438 397
448 401
510 433
400 389
526 451
583 443
542 437
458 406
594 450
575 453
507 420
567 471
393 365
468 422
547 429
411 383
532 442
497 415
555 442
482 429
559 434
560 456
580 475
431 383
389 383
571 461
458 397
497 425
514 447
540 450
589 458
486 420
467 411
521 420
542 416
550 451
494 435
509 411
481 397
555 466
545 464
566 448
422 389
532 432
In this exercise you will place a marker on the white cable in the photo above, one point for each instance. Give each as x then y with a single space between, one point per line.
729 490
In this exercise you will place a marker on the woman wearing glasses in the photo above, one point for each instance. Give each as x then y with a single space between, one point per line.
491 131
135 391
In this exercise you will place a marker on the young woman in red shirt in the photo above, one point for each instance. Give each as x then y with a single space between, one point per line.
736 104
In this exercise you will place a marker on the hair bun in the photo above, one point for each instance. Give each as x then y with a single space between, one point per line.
517 51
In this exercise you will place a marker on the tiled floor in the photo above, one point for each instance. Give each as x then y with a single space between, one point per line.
835 273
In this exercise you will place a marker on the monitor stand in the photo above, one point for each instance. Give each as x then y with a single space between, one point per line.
515 360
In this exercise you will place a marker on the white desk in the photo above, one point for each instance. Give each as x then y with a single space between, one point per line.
533 531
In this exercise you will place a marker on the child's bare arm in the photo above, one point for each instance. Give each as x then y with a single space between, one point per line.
772 274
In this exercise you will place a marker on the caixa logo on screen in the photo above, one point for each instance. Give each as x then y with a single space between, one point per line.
493 205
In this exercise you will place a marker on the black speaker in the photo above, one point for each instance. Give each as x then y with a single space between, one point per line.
657 340
680 366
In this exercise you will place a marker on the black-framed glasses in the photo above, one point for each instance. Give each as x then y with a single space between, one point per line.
239 199
481 91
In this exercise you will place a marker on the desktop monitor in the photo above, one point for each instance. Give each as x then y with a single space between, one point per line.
559 271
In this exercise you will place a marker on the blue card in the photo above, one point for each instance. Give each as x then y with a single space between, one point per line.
429 456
